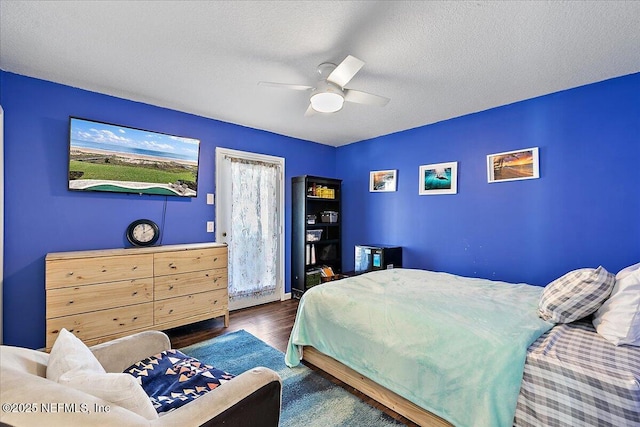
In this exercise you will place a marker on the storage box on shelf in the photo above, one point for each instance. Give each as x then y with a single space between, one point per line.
329 216
104 294
314 235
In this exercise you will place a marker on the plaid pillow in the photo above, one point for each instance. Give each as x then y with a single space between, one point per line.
172 379
575 295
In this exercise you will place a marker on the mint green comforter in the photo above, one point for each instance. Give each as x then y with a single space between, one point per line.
453 345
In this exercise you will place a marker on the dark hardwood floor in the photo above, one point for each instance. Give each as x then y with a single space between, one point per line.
271 323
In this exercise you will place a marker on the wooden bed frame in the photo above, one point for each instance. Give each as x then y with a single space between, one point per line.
375 391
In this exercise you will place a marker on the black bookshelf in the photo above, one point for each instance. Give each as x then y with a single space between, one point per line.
311 197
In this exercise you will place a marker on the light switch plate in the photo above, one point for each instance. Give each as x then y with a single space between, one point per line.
210 198
210 226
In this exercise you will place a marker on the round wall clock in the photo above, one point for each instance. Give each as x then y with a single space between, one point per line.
143 232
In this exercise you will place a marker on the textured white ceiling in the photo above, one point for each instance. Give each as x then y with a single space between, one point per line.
434 59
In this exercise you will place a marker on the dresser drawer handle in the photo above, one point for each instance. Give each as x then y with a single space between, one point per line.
134 293
70 273
135 267
170 287
215 259
172 266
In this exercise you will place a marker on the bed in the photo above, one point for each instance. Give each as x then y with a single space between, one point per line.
442 350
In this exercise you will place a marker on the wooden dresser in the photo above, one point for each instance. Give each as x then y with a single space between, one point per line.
104 294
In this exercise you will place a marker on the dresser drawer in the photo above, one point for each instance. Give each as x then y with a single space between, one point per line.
100 340
193 260
82 299
189 283
74 272
100 323
186 306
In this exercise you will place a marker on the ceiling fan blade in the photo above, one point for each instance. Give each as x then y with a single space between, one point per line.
344 72
285 86
310 111
360 97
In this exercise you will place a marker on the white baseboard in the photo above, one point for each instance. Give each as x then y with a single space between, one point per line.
286 296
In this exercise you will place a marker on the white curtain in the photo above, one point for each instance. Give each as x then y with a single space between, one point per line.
253 244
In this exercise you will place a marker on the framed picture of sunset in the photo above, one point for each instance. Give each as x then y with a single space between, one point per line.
513 165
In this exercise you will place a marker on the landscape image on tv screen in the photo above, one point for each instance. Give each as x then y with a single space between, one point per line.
108 157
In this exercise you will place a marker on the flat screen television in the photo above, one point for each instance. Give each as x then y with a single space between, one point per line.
113 158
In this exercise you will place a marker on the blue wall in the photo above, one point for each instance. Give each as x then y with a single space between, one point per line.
42 216
584 211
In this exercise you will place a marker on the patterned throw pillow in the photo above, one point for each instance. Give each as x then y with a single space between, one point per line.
575 295
172 379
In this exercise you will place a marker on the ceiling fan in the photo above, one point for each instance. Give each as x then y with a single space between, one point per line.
329 93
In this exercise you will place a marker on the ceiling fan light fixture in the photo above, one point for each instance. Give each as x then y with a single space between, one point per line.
327 102
329 94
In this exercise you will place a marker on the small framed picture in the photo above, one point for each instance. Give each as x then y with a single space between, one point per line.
440 178
380 181
513 165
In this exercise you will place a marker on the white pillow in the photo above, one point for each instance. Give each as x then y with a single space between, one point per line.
618 319
72 363
69 353
118 388
628 271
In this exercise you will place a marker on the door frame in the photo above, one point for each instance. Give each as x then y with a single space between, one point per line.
246 155
1 217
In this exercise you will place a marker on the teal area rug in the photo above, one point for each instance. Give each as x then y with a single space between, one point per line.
308 399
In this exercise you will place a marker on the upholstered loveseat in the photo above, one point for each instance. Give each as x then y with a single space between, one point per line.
28 398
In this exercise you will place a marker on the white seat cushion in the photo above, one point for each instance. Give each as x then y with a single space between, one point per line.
72 363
